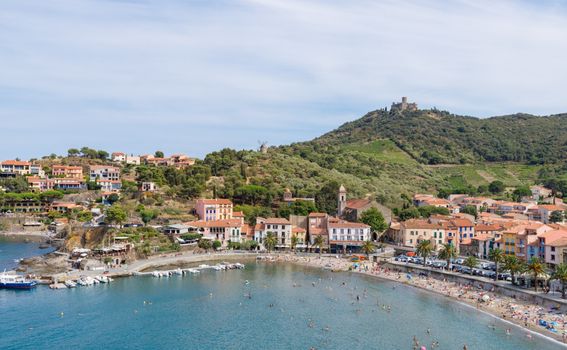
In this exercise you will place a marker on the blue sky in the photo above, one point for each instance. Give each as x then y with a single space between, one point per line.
196 76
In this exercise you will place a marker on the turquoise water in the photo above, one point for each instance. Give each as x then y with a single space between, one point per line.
212 311
10 251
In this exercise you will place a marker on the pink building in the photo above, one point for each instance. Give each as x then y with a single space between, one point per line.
214 209
73 172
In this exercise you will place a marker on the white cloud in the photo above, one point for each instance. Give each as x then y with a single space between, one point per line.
283 70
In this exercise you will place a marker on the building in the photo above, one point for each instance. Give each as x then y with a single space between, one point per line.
46 184
148 186
118 157
351 210
214 209
347 236
280 227
404 105
132 159
225 231
104 172
413 231
15 167
37 170
540 192
289 199
301 235
317 226
64 207
73 172
107 185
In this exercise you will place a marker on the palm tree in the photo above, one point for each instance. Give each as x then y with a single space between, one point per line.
270 241
560 274
294 241
471 262
448 252
424 249
496 256
319 242
368 248
536 268
514 266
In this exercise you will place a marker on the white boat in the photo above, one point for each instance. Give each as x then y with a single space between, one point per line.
194 271
239 265
156 274
81 282
102 279
178 271
70 284
95 281
217 268
204 266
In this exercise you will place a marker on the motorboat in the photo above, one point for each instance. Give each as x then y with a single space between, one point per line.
70 284
13 281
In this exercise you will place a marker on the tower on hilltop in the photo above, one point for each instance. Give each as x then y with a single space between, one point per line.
404 105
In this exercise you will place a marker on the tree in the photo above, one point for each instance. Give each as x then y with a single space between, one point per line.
496 187
368 248
536 268
217 244
302 208
471 210
448 252
294 241
374 218
205 244
471 262
116 214
428 210
148 215
522 191
326 198
73 152
113 198
159 154
252 194
556 216
318 242
409 213
560 274
513 265
496 256
102 155
424 250
270 241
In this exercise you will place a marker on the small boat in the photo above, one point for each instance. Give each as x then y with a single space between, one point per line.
193 271
102 279
156 274
239 265
204 266
217 268
16 282
88 281
178 271
70 284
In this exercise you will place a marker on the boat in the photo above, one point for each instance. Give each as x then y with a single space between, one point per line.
102 279
217 268
239 265
70 284
194 271
12 281
156 274
178 271
204 266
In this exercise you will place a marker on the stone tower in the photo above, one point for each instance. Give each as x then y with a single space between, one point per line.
287 196
341 201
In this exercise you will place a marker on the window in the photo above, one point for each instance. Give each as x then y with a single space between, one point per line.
552 249
553 257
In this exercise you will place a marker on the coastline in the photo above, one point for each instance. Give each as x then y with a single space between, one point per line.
23 236
324 262
320 263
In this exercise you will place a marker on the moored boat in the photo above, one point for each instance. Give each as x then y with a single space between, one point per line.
11 281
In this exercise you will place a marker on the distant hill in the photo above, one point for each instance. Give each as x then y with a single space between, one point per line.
434 137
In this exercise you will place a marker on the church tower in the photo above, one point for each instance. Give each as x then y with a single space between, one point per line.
341 201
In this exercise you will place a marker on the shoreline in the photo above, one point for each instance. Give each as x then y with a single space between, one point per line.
24 237
555 338
338 265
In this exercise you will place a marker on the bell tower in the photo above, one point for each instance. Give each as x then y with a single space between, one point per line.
342 195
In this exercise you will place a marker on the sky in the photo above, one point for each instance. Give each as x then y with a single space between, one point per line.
194 76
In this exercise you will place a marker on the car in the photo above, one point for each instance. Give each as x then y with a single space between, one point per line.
459 261
466 270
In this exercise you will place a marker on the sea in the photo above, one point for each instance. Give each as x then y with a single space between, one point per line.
11 251
264 306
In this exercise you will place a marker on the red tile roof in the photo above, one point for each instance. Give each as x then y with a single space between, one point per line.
214 201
